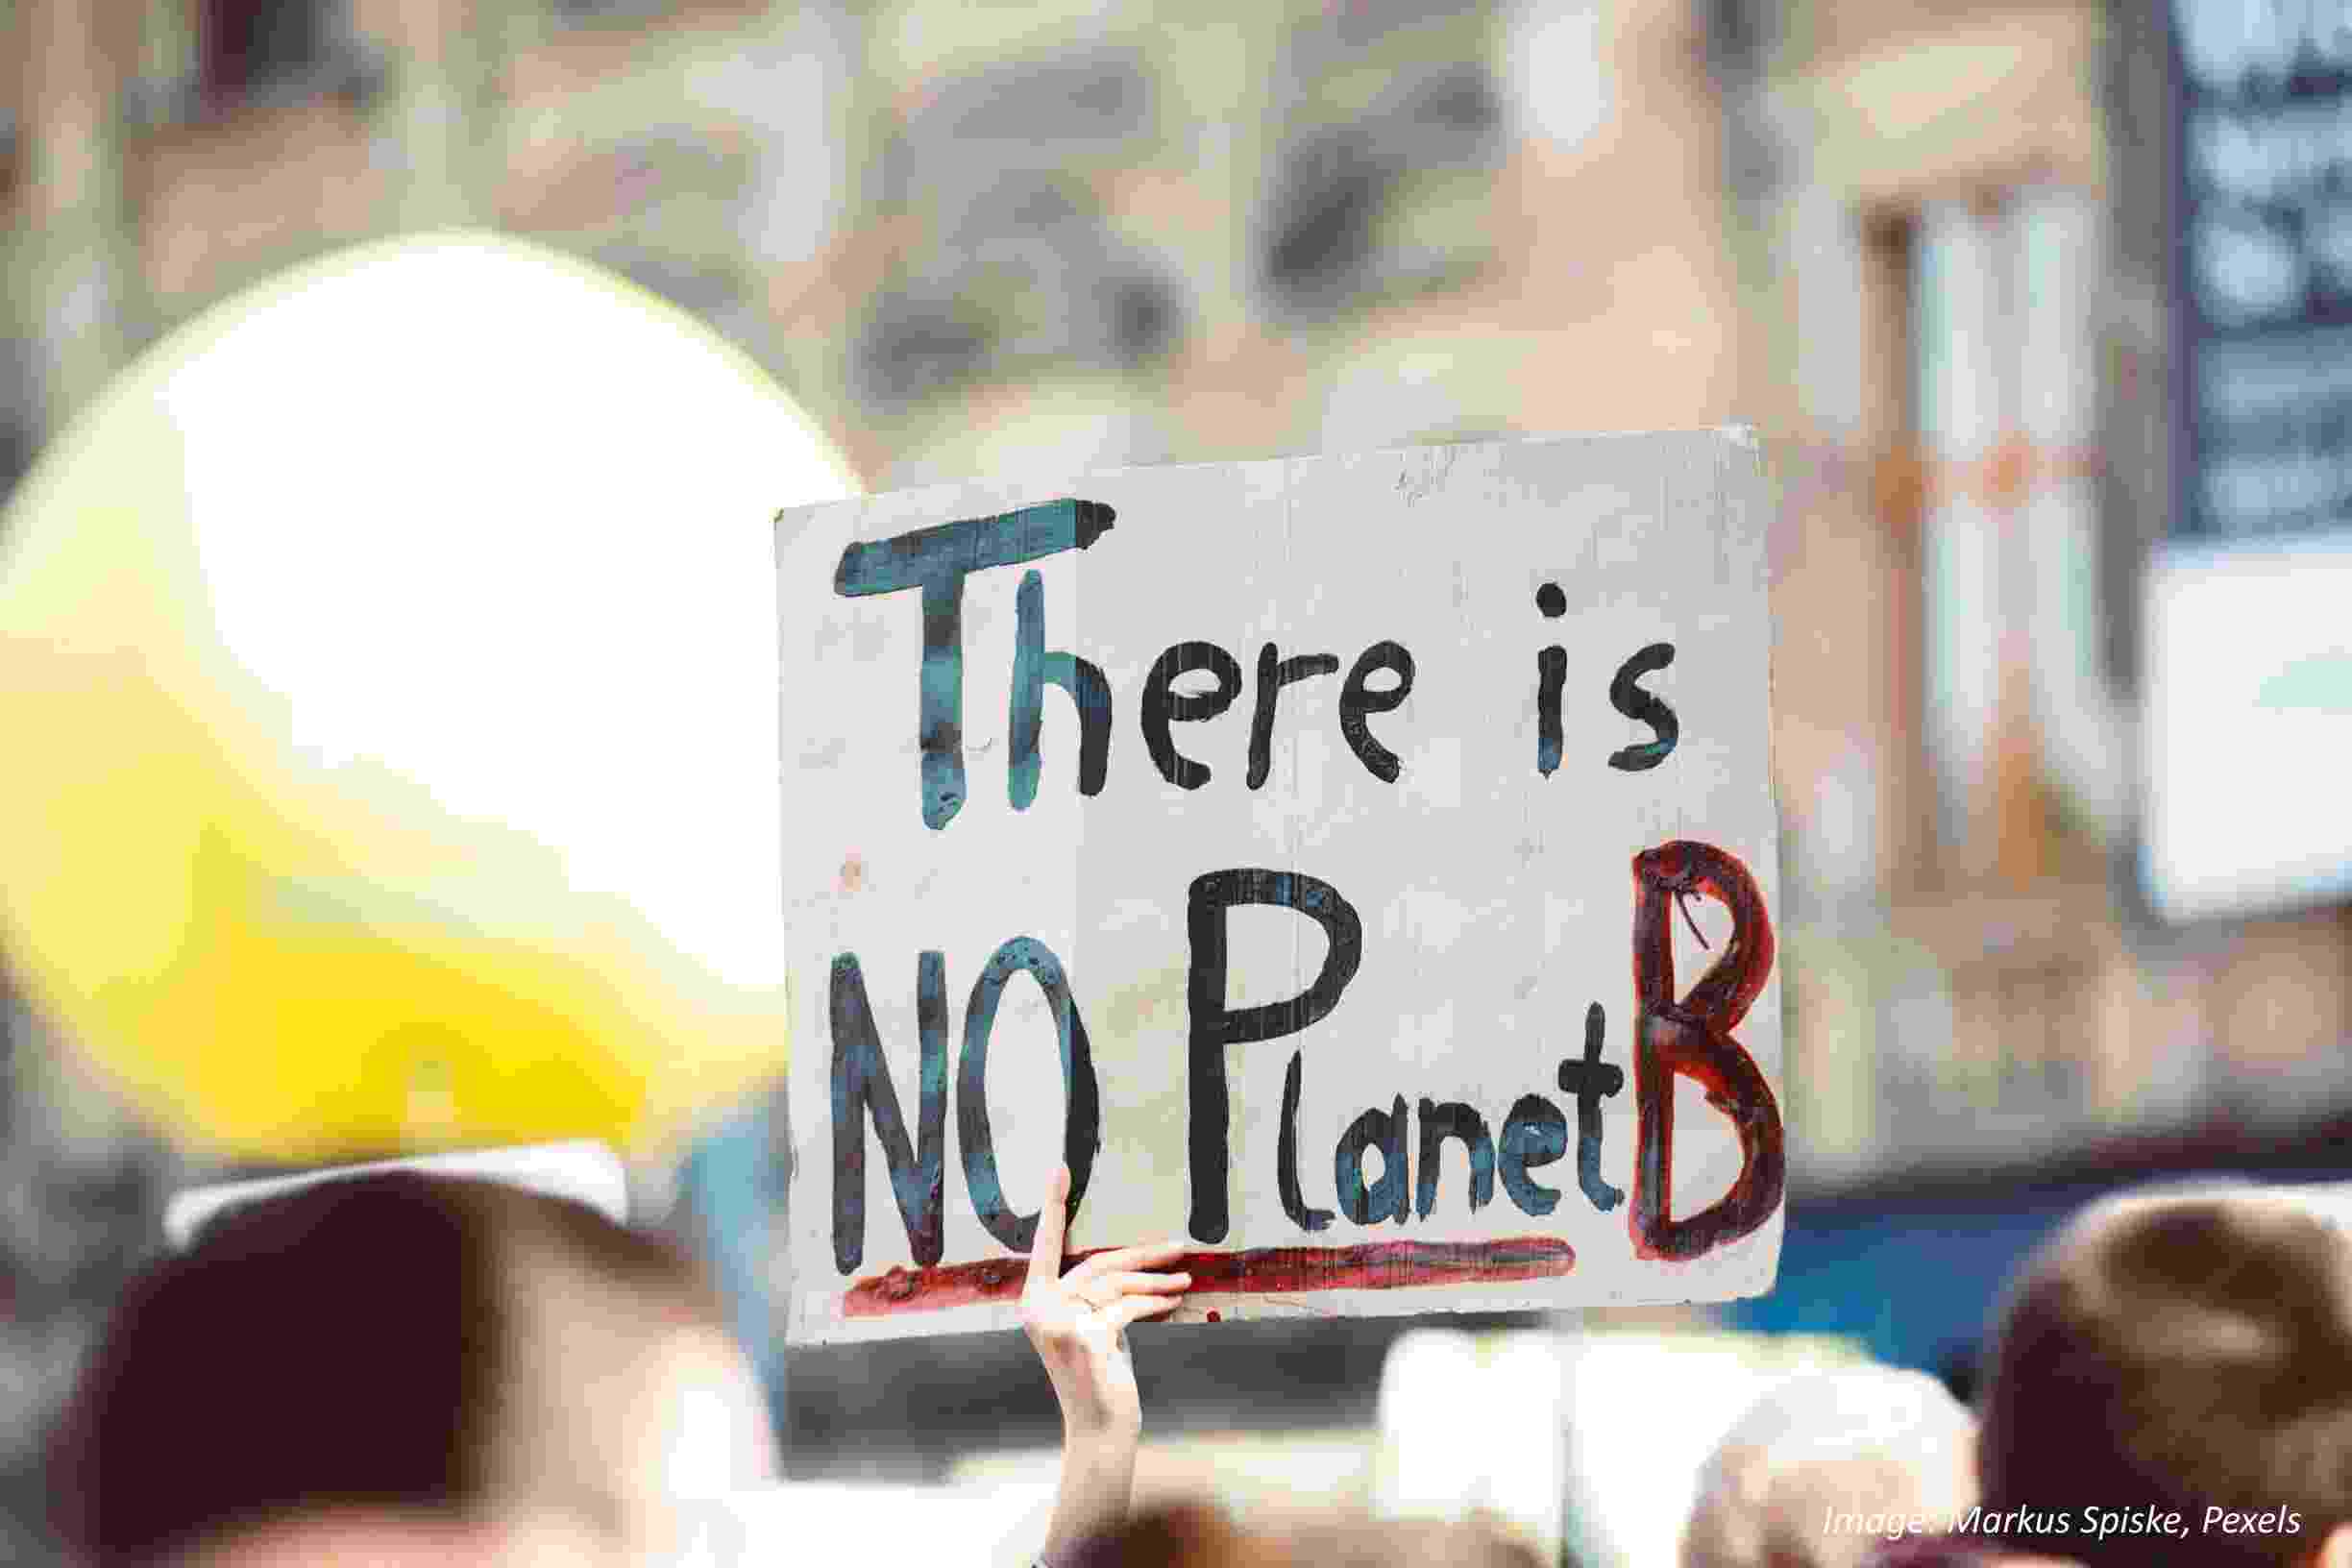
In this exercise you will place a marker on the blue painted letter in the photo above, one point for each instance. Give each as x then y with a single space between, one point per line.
1081 1095
862 1082
936 560
1033 667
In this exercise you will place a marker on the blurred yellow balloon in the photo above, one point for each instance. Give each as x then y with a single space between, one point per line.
389 665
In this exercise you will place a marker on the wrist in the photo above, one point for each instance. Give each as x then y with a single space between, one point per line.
1107 1432
1098 1464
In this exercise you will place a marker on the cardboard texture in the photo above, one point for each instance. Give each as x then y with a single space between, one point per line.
1021 830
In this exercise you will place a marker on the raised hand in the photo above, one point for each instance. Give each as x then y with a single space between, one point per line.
1078 1321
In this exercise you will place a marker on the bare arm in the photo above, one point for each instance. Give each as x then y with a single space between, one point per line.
1078 1322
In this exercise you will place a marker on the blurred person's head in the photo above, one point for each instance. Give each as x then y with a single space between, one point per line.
427 1348
1824 1467
1199 1536
2187 1353
366 1539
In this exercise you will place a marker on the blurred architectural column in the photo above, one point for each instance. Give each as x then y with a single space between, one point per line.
1959 299
1846 422
2059 241
77 271
2016 835
1830 274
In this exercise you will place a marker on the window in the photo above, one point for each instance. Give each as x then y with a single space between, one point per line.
207 56
250 44
2011 698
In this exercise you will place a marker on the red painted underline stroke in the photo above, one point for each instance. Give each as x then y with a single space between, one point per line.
1376 1265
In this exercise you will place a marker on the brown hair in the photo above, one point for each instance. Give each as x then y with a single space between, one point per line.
2180 1353
353 1343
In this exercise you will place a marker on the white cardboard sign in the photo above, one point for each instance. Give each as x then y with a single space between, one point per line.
1316 854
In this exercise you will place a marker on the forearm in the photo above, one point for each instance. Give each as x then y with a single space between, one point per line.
1097 1479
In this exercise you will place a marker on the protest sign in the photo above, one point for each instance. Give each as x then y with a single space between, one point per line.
1362 867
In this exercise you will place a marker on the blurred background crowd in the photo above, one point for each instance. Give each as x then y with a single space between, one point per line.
2032 302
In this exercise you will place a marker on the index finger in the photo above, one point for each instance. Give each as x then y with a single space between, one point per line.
1149 1255
1045 1247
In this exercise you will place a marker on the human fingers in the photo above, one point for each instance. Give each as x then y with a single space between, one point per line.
1138 1284
1134 1308
1149 1255
1053 1220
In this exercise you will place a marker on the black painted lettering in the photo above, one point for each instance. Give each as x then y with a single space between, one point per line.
1589 1082
1551 678
1163 705
1286 1158
1214 1028
1358 698
1273 675
1627 697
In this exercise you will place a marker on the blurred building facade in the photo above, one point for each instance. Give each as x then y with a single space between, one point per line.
963 237
968 238
1959 233
1956 228
1919 244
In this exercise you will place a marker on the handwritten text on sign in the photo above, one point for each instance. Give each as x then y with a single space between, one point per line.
1333 901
